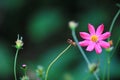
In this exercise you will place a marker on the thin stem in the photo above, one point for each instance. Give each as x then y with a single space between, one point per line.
114 49
108 71
15 63
25 72
46 76
82 52
105 66
118 5
96 76
104 72
114 19
110 30
108 76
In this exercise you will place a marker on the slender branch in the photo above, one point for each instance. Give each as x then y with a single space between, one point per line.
118 5
114 19
108 71
82 52
15 60
110 30
46 76
105 66
115 48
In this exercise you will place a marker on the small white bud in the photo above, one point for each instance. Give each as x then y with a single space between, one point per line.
19 43
73 24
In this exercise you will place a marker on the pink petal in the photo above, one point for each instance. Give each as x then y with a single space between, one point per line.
104 36
100 29
91 29
84 43
85 35
98 49
91 46
104 44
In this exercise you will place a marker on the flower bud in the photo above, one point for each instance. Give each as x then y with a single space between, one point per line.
24 67
110 49
72 25
40 71
19 43
25 78
93 67
71 42
110 42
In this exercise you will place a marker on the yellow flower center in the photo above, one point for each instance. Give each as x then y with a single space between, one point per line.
94 38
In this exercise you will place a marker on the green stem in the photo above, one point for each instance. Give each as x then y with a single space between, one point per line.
115 48
46 76
114 19
104 72
15 63
25 72
105 66
110 30
82 52
118 5
108 71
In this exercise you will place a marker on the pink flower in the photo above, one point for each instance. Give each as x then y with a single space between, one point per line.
95 40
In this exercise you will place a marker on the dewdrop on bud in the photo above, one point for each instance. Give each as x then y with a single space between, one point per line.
72 24
93 67
19 43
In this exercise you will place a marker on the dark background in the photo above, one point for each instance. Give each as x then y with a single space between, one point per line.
43 24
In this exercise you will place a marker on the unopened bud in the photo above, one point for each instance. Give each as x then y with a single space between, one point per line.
110 42
24 66
110 49
25 78
93 67
19 43
73 25
71 42
40 71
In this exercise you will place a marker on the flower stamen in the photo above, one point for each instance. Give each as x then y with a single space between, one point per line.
94 38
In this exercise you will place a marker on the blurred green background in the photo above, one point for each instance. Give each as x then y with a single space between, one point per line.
44 27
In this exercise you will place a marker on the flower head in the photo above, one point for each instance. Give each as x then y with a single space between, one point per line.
95 40
19 43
